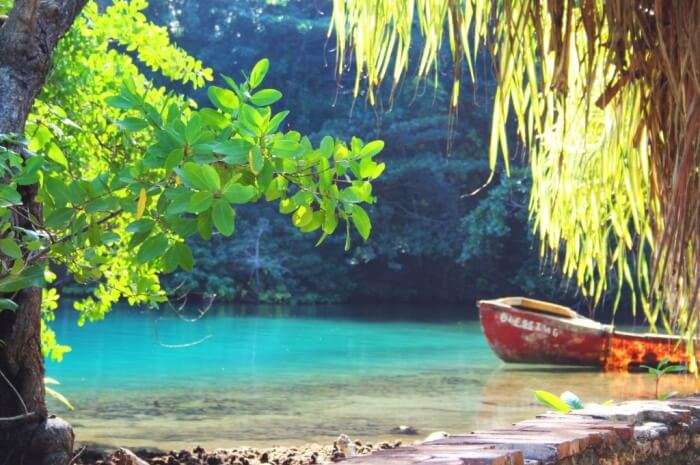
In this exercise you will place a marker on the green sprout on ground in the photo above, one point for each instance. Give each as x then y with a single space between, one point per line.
659 371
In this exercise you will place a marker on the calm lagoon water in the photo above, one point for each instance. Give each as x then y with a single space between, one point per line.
289 380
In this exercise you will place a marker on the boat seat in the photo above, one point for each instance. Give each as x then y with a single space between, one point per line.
540 306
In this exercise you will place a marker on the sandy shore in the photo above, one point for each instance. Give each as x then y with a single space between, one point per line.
310 454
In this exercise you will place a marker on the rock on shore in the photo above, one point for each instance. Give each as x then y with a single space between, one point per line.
307 455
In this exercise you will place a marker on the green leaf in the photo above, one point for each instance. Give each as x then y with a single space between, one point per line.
302 216
327 146
223 216
169 261
674 369
102 205
193 130
59 218
211 177
276 189
173 159
184 256
120 102
8 304
256 160
204 225
223 99
59 397
347 235
109 238
370 169
276 120
200 201
58 190
265 97
287 206
284 147
152 248
372 148
211 117
265 176
201 176
303 198
29 277
238 193
361 221
55 154
141 226
29 174
132 124
314 224
183 227
9 196
235 151
179 201
553 401
258 73
330 222
9 247
250 117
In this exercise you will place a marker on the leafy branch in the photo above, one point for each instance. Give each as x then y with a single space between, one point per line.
197 167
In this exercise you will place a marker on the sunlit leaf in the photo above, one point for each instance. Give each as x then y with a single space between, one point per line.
552 401
259 72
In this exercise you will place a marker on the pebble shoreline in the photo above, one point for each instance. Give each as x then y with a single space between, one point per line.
311 454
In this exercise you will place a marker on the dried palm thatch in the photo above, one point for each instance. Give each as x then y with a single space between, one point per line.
606 95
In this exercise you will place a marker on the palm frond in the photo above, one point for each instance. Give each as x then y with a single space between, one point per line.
606 95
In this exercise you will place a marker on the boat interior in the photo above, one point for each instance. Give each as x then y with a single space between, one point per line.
541 306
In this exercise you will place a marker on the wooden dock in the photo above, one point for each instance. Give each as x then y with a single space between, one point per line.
630 433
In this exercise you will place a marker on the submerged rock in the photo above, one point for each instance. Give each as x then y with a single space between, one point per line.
404 429
345 446
435 436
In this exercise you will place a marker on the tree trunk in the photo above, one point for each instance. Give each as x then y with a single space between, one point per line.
27 435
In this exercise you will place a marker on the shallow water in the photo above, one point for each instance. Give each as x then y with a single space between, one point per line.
284 380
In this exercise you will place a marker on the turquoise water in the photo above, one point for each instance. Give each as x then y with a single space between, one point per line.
290 380
130 350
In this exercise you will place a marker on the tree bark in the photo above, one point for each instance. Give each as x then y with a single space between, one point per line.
28 36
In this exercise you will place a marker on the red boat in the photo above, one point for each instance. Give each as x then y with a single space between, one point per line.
522 330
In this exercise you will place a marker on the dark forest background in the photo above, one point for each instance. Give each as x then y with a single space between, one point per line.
432 242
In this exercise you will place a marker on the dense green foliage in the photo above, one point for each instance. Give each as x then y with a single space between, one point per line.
431 242
128 173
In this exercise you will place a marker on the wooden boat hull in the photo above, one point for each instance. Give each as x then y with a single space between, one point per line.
629 351
559 336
